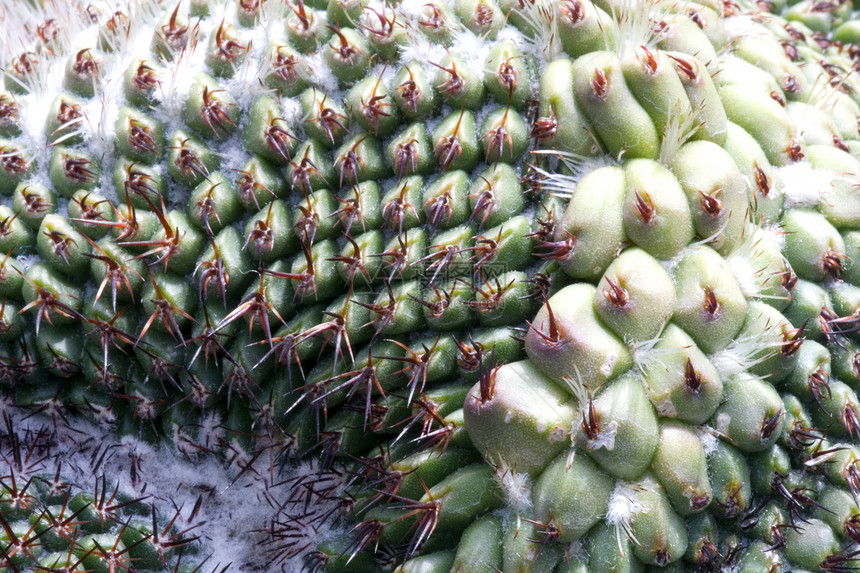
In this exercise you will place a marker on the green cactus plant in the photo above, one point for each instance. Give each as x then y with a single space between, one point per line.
467 285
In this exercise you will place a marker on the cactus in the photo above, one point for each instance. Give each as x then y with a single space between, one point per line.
475 285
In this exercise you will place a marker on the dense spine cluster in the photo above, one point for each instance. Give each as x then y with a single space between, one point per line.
519 286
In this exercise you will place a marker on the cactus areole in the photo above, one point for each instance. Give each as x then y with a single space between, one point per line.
442 286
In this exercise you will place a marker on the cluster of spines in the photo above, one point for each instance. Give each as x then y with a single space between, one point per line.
49 523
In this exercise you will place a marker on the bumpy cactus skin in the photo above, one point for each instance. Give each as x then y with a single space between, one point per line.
450 286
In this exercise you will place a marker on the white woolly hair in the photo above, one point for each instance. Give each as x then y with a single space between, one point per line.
708 437
516 486
608 431
803 184
632 25
646 355
542 16
748 263
177 480
577 166
745 25
623 506
746 351
681 127
577 388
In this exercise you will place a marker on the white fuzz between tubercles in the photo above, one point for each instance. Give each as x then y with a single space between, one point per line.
291 111
211 431
742 263
576 166
605 437
746 351
321 75
24 24
632 25
473 49
181 72
420 48
247 82
680 128
577 387
516 486
412 9
542 16
24 262
623 505
7 407
513 35
748 265
745 25
707 435
646 355
243 498
803 184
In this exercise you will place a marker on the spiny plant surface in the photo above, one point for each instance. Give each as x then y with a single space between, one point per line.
472 286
